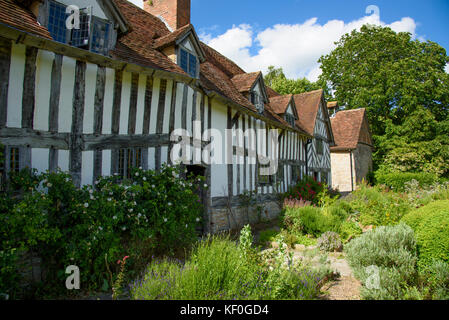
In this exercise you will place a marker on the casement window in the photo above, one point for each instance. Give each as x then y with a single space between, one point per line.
319 147
127 160
296 174
94 34
280 174
188 62
257 100
290 119
264 179
12 161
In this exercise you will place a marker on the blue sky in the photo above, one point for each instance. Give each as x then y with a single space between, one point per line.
293 34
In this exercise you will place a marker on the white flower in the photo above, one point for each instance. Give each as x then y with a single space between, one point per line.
111 193
109 199
187 226
86 205
100 228
205 185
169 204
97 182
135 203
67 179
91 191
140 168
49 185
153 186
92 198
131 210
124 228
139 215
137 174
144 178
114 217
165 219
197 219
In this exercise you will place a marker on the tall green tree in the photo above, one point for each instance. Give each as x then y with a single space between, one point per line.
404 87
276 79
389 74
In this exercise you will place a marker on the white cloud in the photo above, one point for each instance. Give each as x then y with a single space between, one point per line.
138 3
296 48
447 68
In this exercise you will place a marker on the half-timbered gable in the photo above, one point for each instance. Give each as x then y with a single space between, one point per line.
352 155
101 112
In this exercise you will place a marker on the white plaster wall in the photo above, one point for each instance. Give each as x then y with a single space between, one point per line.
44 64
15 89
124 106
66 98
89 99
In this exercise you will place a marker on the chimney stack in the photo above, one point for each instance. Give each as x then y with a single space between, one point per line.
175 13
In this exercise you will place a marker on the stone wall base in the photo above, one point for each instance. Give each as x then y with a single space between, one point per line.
224 220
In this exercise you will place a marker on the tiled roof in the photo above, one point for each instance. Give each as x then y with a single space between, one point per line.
141 44
271 93
307 106
137 45
347 127
171 38
280 103
245 81
21 18
227 66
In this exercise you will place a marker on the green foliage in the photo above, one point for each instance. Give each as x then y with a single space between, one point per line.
276 79
349 229
308 189
388 254
436 278
431 225
398 180
403 84
330 242
310 220
93 226
378 207
215 271
266 236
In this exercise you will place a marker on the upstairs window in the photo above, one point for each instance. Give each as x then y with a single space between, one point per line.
257 100
319 147
290 119
93 33
189 63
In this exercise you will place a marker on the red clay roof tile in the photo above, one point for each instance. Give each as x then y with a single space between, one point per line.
347 127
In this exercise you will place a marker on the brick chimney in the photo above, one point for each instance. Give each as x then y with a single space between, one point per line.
175 13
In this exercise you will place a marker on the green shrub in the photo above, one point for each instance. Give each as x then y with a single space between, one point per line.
388 253
398 180
94 226
308 189
310 220
431 225
436 278
330 242
377 207
267 236
216 271
350 229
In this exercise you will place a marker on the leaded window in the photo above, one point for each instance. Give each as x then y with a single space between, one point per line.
290 119
93 33
189 63
319 147
257 100
264 179
127 160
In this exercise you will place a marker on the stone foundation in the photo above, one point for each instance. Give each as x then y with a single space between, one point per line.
224 220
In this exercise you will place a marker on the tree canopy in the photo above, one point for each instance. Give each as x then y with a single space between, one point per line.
404 87
276 79
389 74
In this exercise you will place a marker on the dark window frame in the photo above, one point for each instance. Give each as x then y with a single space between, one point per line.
190 57
127 159
91 24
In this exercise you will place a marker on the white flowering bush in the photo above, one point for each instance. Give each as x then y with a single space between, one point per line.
94 226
